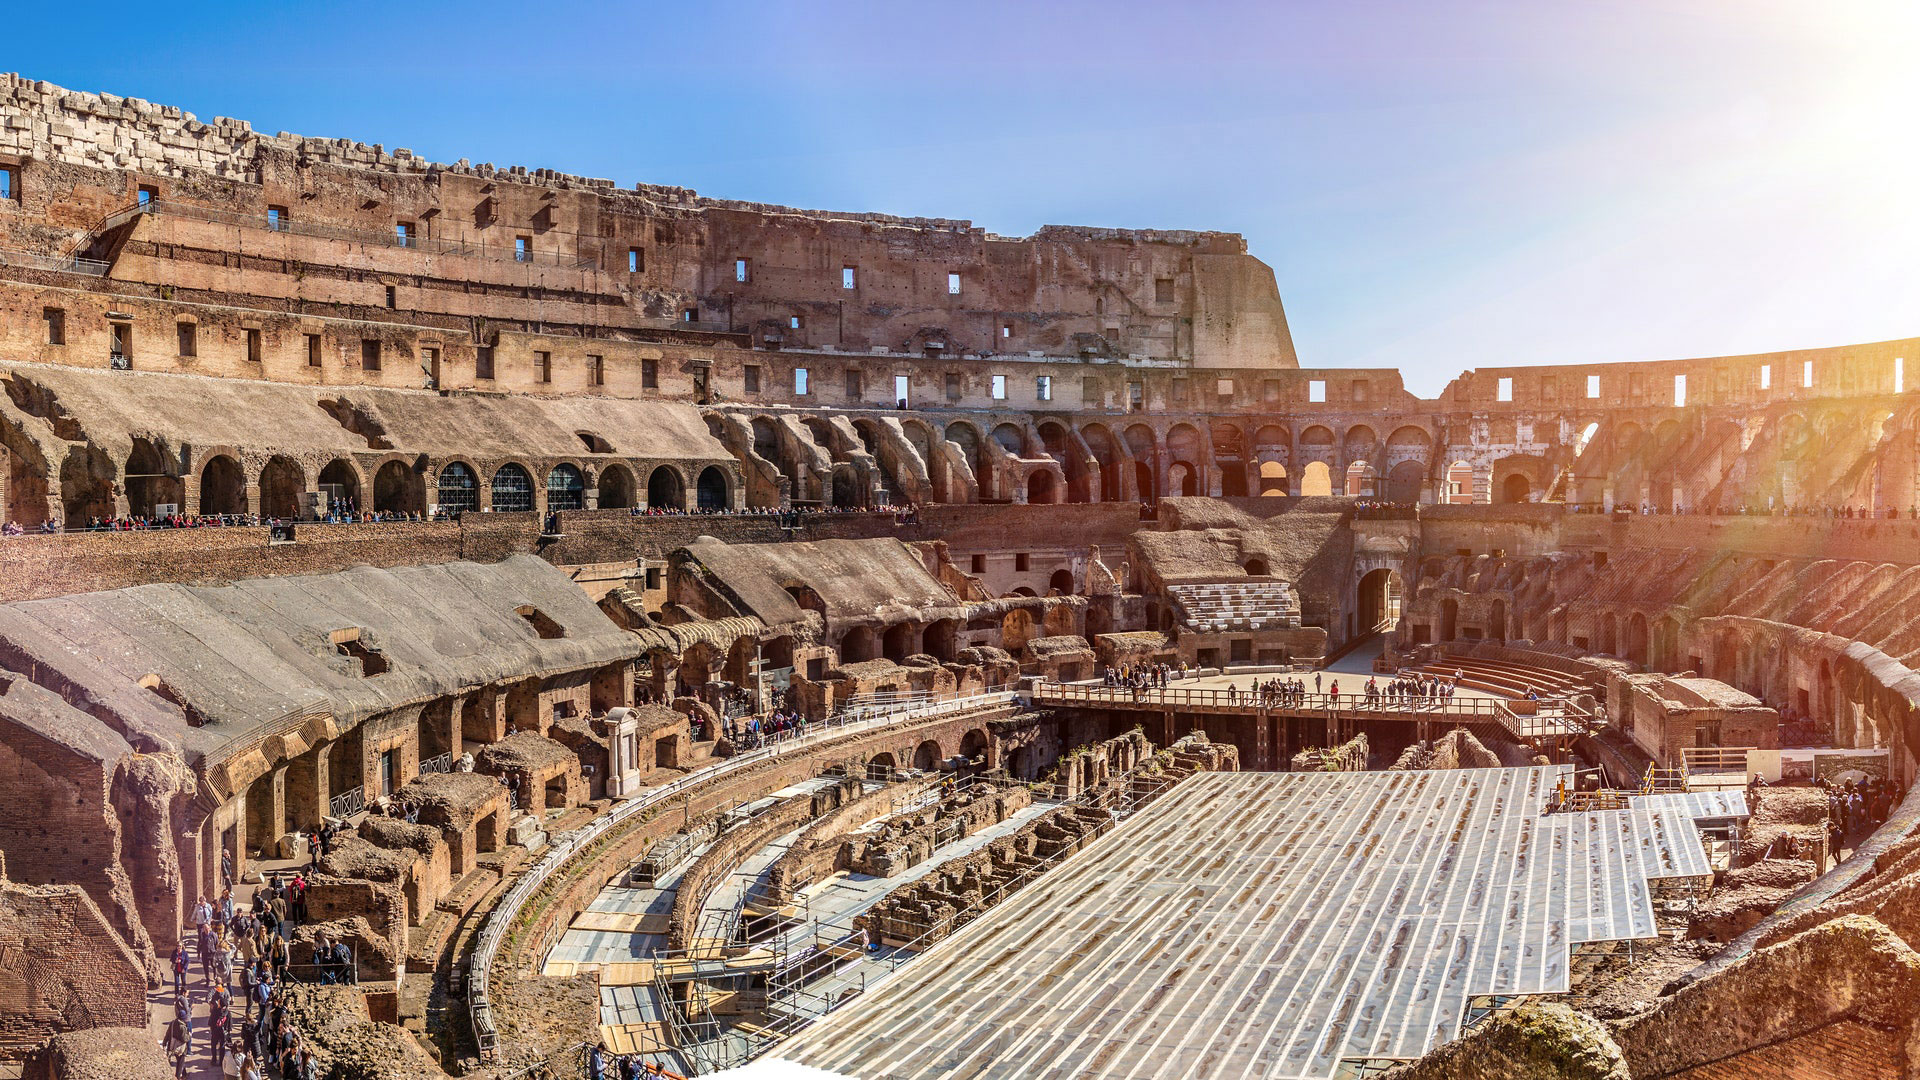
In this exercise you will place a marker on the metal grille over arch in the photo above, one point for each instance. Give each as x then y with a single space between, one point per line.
459 489
566 488
512 490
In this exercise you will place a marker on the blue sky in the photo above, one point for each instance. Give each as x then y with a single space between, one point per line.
1438 185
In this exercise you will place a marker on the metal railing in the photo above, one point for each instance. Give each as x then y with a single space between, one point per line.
1250 701
487 943
441 763
347 803
61 264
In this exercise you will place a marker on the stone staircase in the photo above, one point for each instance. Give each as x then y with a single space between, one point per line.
1224 606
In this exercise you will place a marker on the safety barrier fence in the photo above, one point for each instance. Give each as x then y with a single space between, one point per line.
504 915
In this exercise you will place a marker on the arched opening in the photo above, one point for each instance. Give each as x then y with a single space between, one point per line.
1378 602
846 486
1637 638
1257 568
927 756
1359 481
1011 439
223 489
282 483
399 489
1316 479
967 438
457 489
1273 478
566 488
26 489
1515 489
1449 619
1143 482
1182 480
1100 443
711 489
340 483
856 645
150 482
512 490
1041 487
1230 457
1405 480
665 489
898 642
1459 482
1061 583
974 745
937 639
616 488
1016 628
880 767
1609 634
1497 620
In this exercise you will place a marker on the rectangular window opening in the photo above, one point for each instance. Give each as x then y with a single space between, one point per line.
742 269
483 362
370 354
543 366
794 322
1593 386
977 564
649 374
1679 391
122 348
953 284
393 298
9 189
636 260
1766 376
800 382
750 378
1505 391
276 218
846 277
1316 389
189 339
900 385
597 370
1163 290
253 346
999 388
1021 561
1806 374
953 387
855 387
1043 388
1006 330
146 195
522 248
56 325
1899 374
313 350
403 233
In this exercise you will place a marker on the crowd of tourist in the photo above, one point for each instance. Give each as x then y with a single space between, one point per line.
753 732
1142 676
248 951
603 1064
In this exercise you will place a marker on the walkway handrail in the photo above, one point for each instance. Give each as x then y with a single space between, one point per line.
1250 701
487 943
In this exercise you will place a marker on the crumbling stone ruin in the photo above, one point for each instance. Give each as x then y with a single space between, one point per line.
461 507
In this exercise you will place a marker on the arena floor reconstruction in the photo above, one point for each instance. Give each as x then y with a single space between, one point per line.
1274 925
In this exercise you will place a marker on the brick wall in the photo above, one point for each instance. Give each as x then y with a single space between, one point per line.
1848 1050
62 967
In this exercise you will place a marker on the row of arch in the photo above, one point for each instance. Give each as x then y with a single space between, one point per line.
399 487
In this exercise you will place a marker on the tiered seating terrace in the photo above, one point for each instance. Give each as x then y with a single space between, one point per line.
1248 605
1505 676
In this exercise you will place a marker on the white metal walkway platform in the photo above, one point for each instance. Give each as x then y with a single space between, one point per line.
1272 925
